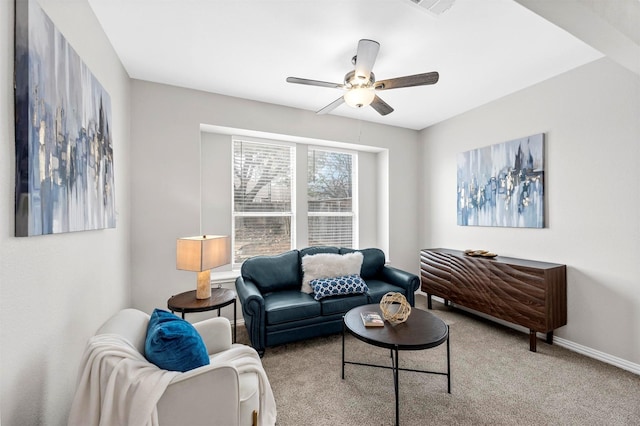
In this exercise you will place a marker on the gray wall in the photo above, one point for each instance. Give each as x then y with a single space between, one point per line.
591 120
56 290
166 128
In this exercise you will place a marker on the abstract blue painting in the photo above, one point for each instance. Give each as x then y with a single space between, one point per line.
64 150
503 184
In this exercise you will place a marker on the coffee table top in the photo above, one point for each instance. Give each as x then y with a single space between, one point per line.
422 330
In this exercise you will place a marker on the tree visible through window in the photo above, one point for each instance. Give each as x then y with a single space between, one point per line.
263 185
330 198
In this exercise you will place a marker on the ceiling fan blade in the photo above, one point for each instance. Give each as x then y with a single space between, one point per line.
314 82
381 106
408 81
333 105
365 58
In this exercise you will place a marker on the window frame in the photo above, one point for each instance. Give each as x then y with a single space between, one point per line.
355 237
293 177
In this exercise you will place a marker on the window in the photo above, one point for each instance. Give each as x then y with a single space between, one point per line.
263 198
330 198
264 205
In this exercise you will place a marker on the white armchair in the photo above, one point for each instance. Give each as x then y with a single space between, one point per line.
221 393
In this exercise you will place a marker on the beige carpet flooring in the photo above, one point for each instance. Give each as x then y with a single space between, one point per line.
495 380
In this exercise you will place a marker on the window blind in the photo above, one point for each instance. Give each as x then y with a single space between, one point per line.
263 185
330 197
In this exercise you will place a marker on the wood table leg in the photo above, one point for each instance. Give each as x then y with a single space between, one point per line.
532 340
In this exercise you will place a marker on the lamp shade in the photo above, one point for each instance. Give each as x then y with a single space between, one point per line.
202 253
359 97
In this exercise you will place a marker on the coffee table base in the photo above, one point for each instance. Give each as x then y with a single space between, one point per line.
395 367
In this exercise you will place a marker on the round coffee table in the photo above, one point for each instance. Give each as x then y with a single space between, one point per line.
422 330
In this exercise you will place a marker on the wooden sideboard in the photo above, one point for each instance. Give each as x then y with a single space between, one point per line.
524 292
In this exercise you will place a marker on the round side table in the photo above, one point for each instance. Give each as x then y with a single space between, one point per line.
220 297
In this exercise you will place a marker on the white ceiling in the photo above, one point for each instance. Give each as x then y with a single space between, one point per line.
483 50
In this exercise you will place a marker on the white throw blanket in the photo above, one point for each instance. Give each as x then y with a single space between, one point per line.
118 386
246 360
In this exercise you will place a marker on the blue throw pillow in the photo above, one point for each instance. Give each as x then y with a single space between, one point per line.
174 344
348 284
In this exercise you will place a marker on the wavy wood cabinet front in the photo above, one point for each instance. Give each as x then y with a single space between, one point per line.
524 292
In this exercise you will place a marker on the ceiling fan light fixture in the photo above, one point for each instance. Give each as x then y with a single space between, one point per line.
359 97
360 84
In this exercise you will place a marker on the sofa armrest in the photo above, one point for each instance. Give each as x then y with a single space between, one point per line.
253 312
410 282
216 334
193 396
250 297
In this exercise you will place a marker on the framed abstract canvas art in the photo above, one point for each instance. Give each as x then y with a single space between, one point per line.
64 147
502 184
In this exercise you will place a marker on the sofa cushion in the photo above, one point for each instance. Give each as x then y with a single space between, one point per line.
328 265
378 288
306 288
273 273
338 286
289 305
372 262
174 344
341 304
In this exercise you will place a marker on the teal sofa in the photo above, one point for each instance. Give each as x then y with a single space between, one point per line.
276 311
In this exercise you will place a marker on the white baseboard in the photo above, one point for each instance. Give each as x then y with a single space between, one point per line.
600 356
568 344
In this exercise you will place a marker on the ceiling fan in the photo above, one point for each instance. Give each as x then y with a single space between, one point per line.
361 85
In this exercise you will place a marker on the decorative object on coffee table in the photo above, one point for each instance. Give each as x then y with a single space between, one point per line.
395 308
201 254
372 319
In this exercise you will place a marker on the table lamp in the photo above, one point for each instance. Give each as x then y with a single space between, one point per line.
201 254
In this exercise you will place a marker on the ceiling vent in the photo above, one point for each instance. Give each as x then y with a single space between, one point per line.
436 7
